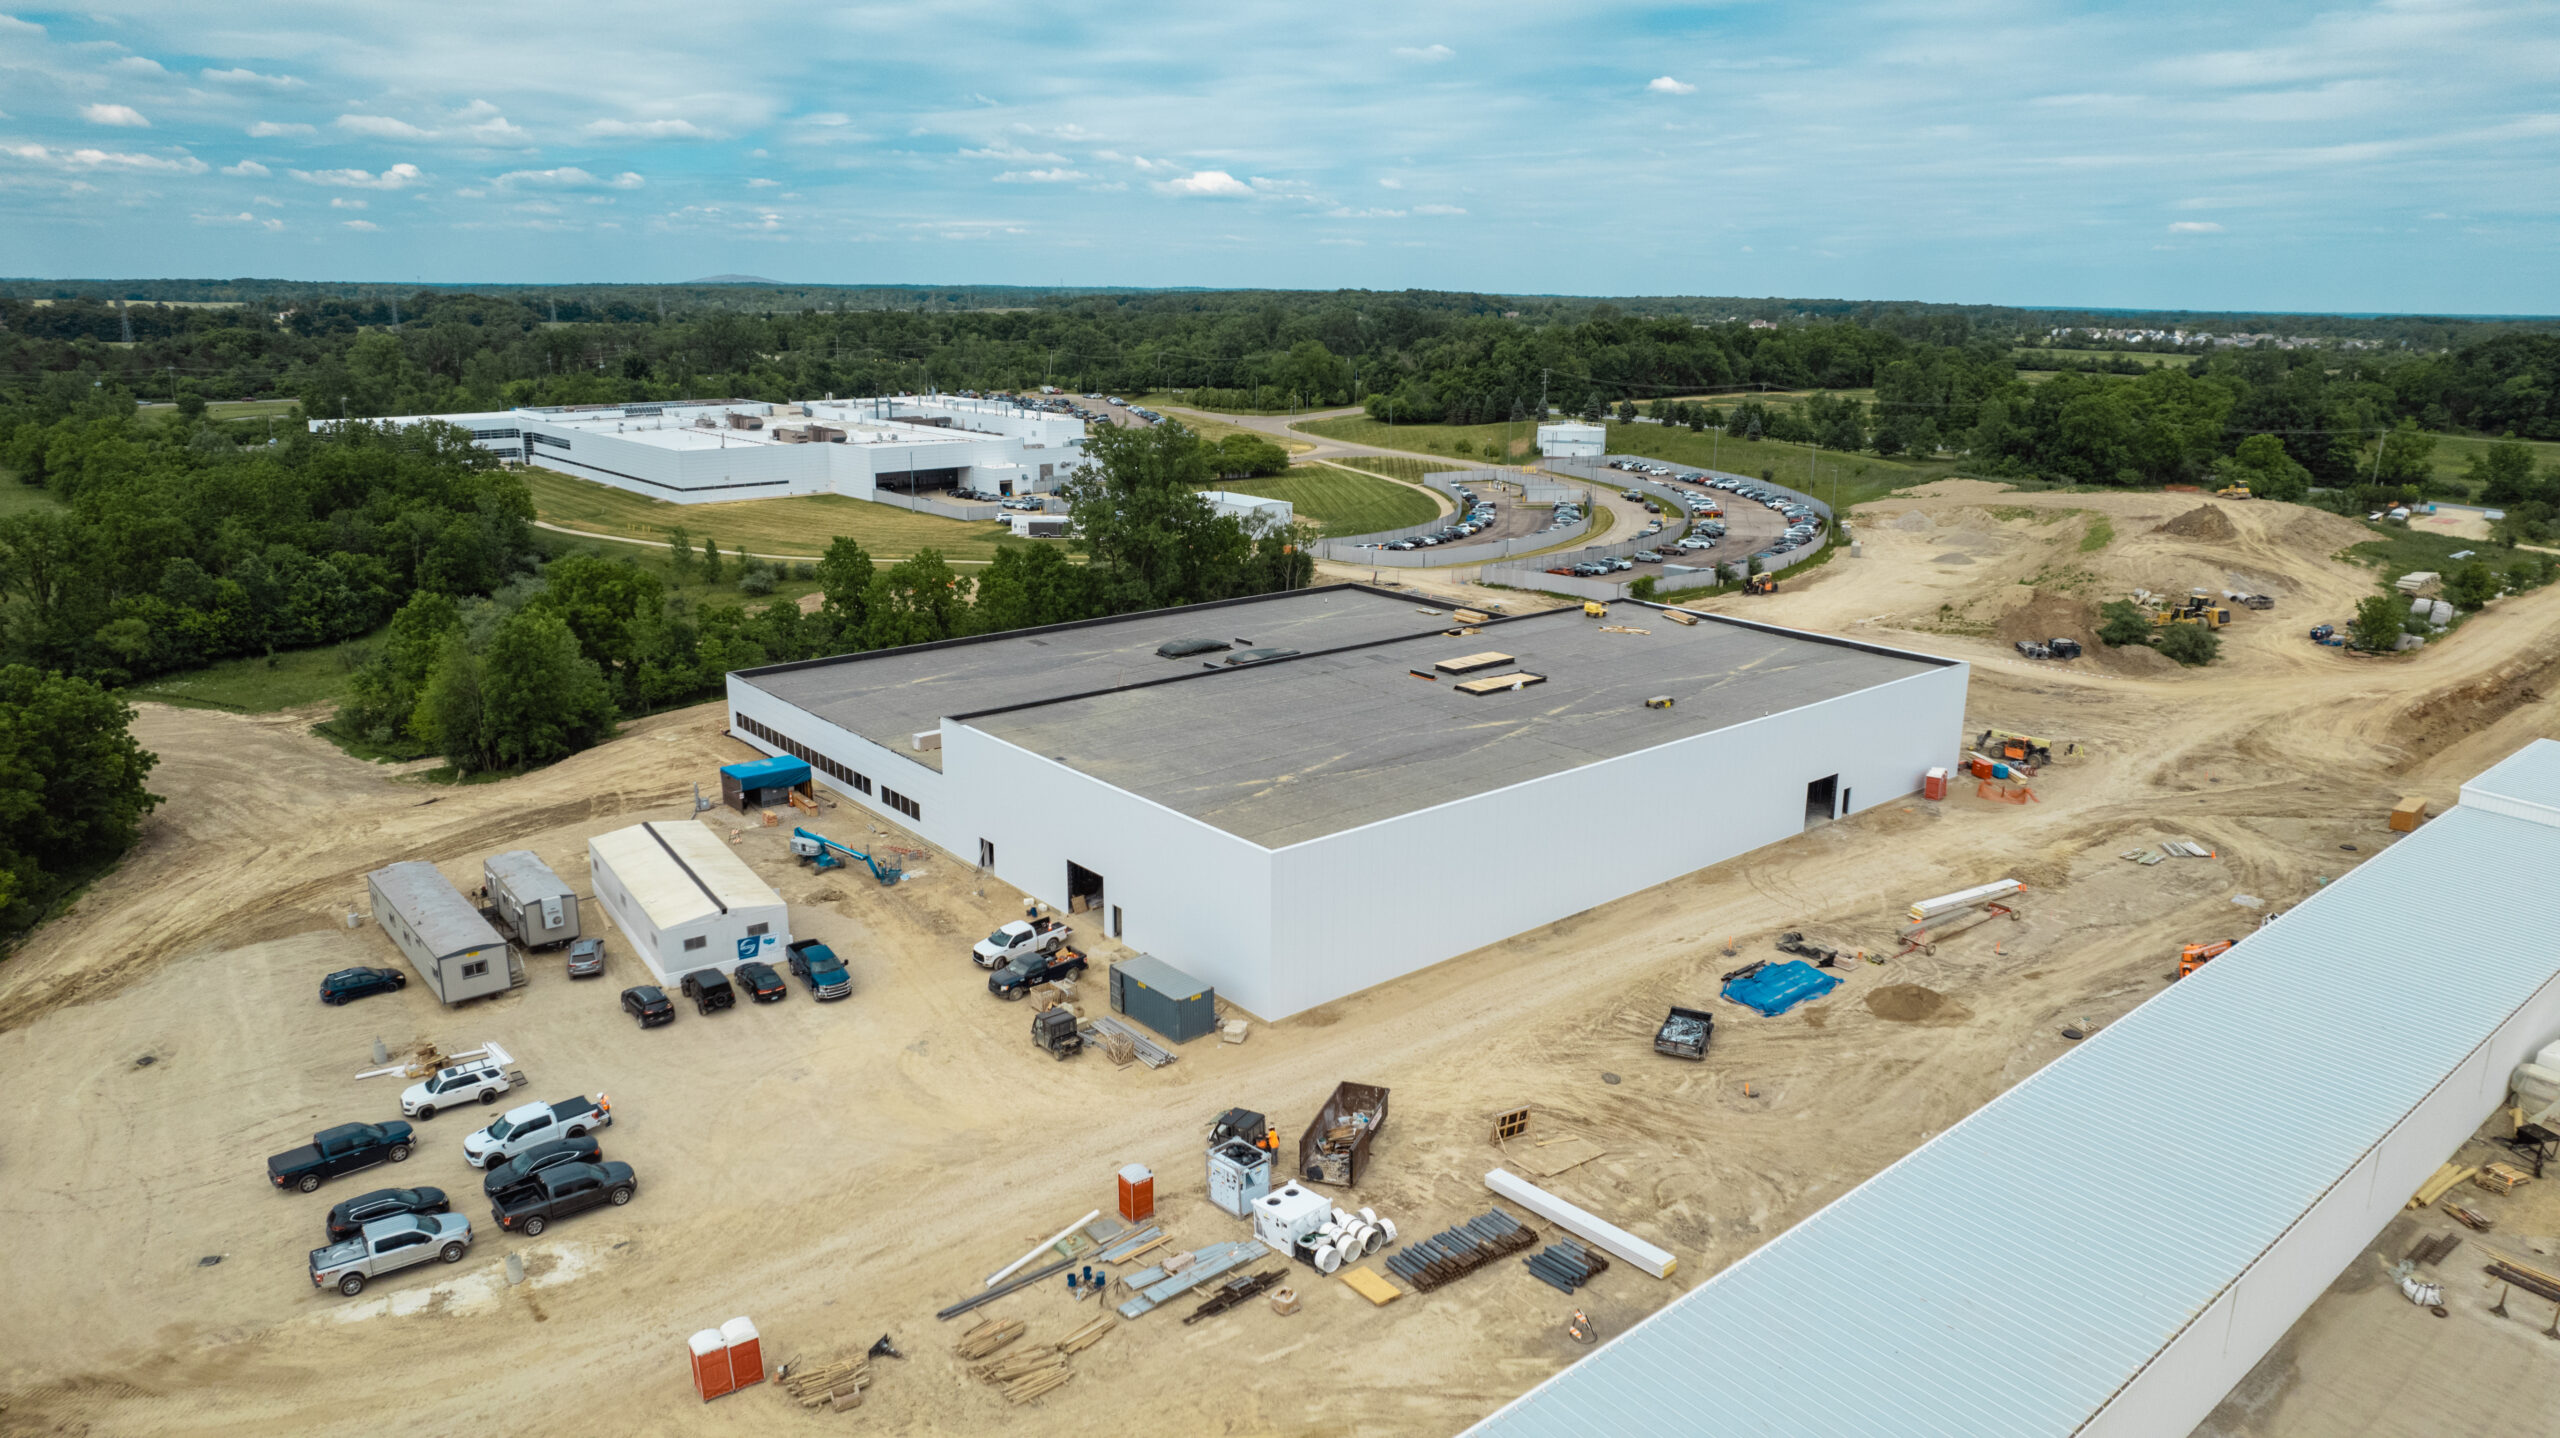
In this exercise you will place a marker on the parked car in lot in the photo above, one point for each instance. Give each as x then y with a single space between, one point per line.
1020 937
1032 970
479 1080
648 1003
818 966
528 1124
335 1151
556 1193
1646 556
586 959
517 1171
350 1216
710 991
388 1245
762 983
348 984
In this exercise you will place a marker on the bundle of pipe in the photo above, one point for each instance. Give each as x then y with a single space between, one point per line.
1456 1252
1566 1265
1347 1236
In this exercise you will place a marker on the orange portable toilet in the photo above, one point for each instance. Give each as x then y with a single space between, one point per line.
746 1352
1137 1192
1934 785
710 1364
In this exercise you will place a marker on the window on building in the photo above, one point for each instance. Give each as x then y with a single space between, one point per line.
986 854
901 803
475 969
758 928
697 941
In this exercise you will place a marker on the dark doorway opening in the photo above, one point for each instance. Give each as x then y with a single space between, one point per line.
1115 921
1820 800
1084 889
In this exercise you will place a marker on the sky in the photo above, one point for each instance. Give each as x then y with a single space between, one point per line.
2266 156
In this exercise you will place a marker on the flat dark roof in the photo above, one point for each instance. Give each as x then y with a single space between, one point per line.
890 695
1285 752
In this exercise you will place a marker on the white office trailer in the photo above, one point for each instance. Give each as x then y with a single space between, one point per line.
1358 806
1259 514
441 934
684 900
919 446
535 904
2096 1297
1572 439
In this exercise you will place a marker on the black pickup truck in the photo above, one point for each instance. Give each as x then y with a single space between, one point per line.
558 1192
1032 970
333 1151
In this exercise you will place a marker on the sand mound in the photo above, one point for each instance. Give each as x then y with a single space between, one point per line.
1912 1004
2047 615
1951 557
2205 522
2134 659
1915 522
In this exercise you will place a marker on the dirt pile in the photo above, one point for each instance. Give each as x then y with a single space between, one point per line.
2206 522
1914 1004
2048 615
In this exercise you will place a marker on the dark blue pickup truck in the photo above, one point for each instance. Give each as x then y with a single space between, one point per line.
333 1151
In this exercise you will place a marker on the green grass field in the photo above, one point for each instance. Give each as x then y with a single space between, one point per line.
2451 458
1340 502
1209 427
1854 478
1395 466
257 685
800 526
2146 358
1510 443
2394 551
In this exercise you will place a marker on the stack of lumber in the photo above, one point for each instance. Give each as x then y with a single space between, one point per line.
1026 1375
2446 1176
987 1337
2468 1218
1089 1335
2531 1280
838 1384
2500 1178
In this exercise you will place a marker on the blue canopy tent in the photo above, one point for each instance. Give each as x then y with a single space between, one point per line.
763 782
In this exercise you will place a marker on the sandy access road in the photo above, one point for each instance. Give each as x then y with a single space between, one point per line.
841 1171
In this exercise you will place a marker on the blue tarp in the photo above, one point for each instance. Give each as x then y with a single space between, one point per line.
776 773
1775 988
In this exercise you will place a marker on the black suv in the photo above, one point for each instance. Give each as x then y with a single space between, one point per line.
648 1003
762 982
348 984
506 1177
709 989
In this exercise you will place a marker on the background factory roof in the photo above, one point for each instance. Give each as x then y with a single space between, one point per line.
1293 750
890 695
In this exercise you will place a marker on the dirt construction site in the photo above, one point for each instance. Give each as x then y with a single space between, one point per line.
842 1171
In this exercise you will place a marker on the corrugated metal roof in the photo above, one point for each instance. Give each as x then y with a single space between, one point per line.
2006 1279
679 872
526 876
435 910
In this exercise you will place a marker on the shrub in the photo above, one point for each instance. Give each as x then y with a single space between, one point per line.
1642 589
2471 586
755 578
2189 644
2380 620
2122 623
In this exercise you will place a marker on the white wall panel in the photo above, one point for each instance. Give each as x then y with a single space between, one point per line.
932 791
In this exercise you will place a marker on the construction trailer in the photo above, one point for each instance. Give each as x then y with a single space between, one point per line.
765 783
536 905
444 937
684 900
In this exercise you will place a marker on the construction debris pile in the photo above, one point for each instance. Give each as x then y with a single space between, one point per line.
1453 1253
1030 1372
836 1385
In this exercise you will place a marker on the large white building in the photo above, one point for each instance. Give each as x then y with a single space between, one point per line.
1572 439
684 900
696 452
1363 804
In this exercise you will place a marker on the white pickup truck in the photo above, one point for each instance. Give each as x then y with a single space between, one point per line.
474 1080
534 1123
1022 936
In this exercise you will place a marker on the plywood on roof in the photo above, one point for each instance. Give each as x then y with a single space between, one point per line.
1469 663
1502 683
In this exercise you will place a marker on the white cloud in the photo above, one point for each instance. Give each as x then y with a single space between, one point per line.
482 122
251 77
645 129
248 170
89 159
341 202
267 200
761 183
367 226
1665 85
1041 177
114 115
12 25
1014 155
1206 182
398 177
2195 227
828 118
269 129
567 177
381 127
1438 210
242 218
1428 54
138 65
1391 183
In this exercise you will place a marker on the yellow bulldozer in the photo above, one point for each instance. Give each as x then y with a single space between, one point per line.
2197 608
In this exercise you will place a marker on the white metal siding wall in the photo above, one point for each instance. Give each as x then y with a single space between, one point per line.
1197 897
1358 908
885 769
2174 1392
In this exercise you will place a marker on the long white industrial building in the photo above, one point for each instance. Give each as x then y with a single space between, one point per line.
1360 805
700 452
2106 1249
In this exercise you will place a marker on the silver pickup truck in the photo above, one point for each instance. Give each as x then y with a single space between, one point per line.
388 1245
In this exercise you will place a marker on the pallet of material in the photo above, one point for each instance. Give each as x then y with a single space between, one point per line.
1453 1253
1088 1335
2501 1178
1206 1263
1927 909
838 1384
987 1337
2468 1218
1013 1366
2446 1176
1102 1030
1370 1286
1023 1390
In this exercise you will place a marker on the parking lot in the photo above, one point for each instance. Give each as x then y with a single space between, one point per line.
1750 526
